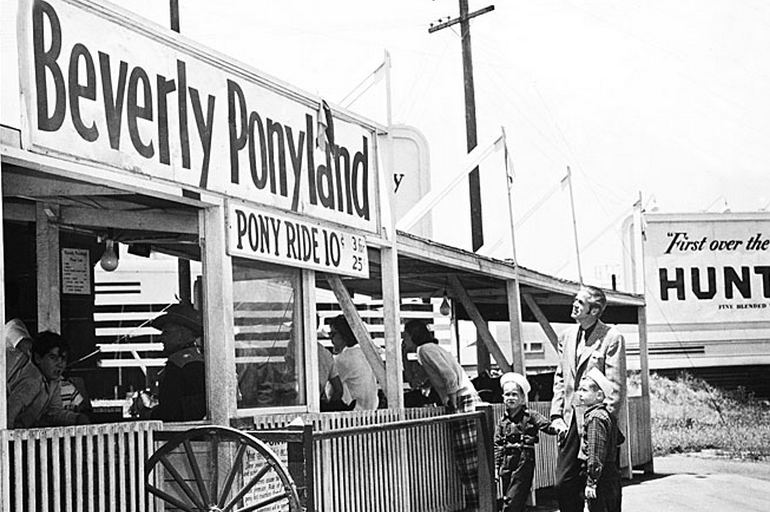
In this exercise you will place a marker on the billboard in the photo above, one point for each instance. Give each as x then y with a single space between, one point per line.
100 86
711 269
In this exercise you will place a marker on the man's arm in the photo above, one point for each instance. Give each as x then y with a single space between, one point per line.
557 402
615 370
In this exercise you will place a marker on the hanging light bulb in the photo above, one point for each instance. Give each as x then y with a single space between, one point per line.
109 260
445 308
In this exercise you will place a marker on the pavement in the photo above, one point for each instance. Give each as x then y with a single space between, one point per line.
697 483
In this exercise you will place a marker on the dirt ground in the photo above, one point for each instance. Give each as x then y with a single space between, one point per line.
685 483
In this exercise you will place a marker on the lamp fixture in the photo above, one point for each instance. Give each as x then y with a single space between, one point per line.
445 309
109 260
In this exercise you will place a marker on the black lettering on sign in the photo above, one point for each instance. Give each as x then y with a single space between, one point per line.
77 91
46 60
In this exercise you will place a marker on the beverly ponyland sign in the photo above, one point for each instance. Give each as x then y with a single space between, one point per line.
100 86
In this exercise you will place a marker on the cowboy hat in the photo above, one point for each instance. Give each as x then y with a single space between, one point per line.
181 314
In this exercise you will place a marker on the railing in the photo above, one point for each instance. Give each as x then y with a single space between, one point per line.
385 460
78 468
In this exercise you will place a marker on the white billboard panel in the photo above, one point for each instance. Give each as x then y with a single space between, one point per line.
101 86
707 269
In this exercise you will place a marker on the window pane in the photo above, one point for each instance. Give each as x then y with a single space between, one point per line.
268 335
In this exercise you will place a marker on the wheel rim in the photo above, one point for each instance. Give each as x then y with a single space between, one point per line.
220 469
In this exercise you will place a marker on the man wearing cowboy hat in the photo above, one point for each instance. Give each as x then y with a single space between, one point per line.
182 388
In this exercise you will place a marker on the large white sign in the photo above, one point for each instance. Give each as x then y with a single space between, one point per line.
707 271
261 235
102 87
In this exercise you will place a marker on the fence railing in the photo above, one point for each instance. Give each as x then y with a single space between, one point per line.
76 468
385 460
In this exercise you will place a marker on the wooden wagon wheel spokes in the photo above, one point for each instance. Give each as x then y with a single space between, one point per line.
219 469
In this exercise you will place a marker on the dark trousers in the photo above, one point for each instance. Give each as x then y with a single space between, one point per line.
608 492
518 483
570 480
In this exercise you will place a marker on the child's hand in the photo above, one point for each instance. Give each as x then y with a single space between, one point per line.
590 492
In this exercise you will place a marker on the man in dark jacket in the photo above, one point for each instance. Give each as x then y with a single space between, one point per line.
182 388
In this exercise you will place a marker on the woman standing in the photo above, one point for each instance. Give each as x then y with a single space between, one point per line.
358 382
458 394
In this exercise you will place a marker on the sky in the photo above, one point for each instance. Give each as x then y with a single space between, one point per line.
667 99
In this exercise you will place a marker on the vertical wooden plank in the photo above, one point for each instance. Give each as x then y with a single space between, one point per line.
112 497
47 253
391 301
90 469
67 440
311 340
644 365
121 482
17 462
31 470
5 454
4 489
78 476
101 465
514 321
218 316
141 457
131 435
45 495
56 451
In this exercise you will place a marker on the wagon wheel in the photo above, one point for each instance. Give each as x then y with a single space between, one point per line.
219 469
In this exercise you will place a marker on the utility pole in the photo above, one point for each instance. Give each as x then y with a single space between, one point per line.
474 181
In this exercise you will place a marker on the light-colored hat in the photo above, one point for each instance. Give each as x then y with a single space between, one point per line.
517 378
601 380
181 314
15 331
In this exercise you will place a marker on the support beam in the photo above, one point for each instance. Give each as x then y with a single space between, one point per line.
481 326
3 392
48 263
359 329
542 320
309 323
514 321
482 355
644 365
391 313
217 313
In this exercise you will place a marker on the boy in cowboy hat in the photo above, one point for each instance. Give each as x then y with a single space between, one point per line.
599 449
182 388
515 438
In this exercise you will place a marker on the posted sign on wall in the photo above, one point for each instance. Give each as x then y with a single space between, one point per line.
100 86
713 269
262 235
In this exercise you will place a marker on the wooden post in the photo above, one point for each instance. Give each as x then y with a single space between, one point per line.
48 263
518 362
391 312
359 329
644 366
217 313
482 355
300 463
3 391
487 484
311 340
478 320
542 320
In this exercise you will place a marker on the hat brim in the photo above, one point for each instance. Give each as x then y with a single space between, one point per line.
171 318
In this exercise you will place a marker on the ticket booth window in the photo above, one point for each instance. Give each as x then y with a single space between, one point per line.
268 335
